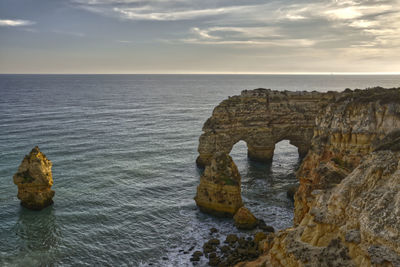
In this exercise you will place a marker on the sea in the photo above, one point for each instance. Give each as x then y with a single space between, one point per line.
123 149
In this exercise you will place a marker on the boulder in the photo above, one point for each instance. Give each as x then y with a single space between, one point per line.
231 239
244 219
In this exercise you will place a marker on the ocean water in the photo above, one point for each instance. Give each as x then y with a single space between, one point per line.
123 149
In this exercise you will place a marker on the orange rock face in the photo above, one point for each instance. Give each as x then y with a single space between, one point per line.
34 180
347 131
219 191
347 208
261 118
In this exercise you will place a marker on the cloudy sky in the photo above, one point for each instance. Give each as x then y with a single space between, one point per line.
199 36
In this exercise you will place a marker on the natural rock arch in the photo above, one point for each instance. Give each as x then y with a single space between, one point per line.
346 208
261 118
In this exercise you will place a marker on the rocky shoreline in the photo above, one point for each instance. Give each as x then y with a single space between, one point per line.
235 248
347 207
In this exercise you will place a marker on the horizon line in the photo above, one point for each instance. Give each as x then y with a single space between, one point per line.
208 73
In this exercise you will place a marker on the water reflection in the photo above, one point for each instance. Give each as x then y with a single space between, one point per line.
39 237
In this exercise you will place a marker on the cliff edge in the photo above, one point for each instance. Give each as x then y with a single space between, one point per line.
347 208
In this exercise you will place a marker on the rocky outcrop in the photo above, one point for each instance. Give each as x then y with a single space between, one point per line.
355 223
347 208
347 130
219 190
244 219
34 180
261 118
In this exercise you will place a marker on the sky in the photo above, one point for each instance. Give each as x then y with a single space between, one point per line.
199 36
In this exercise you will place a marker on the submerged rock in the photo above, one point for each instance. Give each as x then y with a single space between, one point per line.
34 180
264 227
231 239
244 219
213 231
196 256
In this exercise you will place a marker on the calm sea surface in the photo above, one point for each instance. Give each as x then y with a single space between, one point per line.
123 149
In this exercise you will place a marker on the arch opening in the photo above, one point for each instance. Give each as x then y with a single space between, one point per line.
286 158
286 148
239 154
264 185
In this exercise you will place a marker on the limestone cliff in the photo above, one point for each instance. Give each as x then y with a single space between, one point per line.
34 180
347 208
261 118
219 190
345 132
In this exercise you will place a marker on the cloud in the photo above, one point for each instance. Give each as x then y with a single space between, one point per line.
15 23
165 10
330 24
263 43
356 11
244 36
363 23
241 33
203 34
148 13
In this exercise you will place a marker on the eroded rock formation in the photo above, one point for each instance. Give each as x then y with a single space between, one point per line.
34 180
261 118
219 191
345 132
347 208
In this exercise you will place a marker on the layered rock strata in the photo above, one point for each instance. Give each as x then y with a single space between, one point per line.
345 132
261 118
347 208
219 191
34 180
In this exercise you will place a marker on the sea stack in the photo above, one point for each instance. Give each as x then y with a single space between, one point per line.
34 180
219 190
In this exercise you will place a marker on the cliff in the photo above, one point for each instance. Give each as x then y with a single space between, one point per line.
34 180
261 118
347 208
345 132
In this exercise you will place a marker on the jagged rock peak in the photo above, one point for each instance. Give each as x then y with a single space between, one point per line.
34 180
219 191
